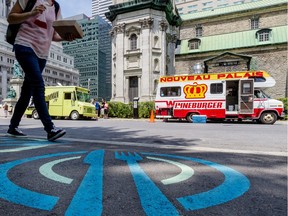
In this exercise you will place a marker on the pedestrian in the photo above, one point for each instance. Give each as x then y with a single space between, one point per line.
5 108
97 108
31 48
106 109
102 108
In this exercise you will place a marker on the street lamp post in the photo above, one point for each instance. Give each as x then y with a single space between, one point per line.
198 68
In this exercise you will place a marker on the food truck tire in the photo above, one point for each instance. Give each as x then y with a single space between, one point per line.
74 115
35 114
189 117
268 118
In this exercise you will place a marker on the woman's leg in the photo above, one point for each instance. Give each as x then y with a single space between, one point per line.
21 105
33 85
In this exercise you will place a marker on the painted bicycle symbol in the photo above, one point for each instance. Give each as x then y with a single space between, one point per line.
153 200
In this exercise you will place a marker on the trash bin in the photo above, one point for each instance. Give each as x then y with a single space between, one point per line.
135 107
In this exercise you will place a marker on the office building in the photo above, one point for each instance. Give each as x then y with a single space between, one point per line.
92 55
193 6
100 7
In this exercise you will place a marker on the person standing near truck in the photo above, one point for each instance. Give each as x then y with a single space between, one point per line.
106 109
31 48
97 108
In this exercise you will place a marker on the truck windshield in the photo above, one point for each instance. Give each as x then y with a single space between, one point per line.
260 94
82 96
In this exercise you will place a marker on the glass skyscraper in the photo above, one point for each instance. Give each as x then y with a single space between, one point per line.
100 7
92 56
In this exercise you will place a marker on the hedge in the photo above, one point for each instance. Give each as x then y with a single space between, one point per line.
122 110
285 101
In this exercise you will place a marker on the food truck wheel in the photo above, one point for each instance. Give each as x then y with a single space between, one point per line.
35 114
74 115
268 118
189 117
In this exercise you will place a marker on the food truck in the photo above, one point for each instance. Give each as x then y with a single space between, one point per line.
66 101
219 96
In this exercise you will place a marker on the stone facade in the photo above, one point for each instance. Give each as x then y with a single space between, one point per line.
269 57
231 24
143 44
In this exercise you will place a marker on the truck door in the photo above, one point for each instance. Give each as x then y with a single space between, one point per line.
246 96
67 103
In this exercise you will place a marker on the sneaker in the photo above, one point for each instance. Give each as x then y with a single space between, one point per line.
55 133
15 132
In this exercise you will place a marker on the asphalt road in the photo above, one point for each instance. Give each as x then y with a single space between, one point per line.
134 167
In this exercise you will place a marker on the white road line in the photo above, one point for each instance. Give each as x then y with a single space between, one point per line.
22 149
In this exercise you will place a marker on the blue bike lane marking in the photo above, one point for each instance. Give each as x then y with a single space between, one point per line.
234 185
18 195
153 201
88 198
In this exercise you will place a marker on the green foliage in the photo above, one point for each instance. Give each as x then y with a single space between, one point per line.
121 110
145 109
285 101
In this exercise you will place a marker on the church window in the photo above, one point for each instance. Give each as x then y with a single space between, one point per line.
194 44
263 35
156 64
133 42
254 21
156 39
199 31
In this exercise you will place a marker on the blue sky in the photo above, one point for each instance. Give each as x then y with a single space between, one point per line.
75 7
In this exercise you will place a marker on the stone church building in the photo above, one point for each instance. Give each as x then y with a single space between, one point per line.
251 36
144 33
149 39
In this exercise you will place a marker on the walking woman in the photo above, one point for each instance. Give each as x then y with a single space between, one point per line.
31 48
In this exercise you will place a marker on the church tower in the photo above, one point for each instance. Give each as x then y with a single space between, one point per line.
144 34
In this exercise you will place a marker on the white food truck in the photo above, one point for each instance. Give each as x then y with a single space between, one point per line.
219 96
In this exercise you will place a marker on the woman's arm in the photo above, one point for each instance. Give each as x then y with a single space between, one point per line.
17 16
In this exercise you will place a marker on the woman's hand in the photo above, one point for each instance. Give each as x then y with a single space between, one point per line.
38 10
